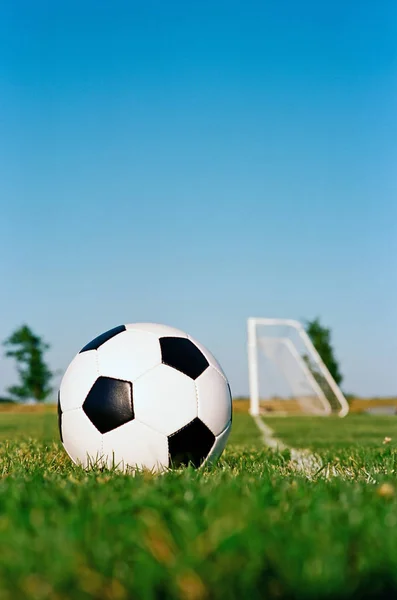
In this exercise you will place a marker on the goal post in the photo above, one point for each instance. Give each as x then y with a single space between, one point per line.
286 370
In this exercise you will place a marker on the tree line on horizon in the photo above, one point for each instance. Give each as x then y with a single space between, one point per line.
35 376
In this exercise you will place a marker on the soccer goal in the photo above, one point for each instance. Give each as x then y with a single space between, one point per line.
286 373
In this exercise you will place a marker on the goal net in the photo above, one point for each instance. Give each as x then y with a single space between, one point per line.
286 373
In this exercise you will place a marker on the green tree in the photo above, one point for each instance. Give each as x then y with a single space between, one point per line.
34 375
321 338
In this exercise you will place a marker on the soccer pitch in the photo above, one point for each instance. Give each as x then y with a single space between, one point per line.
258 525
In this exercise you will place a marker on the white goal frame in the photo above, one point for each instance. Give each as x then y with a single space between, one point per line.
252 324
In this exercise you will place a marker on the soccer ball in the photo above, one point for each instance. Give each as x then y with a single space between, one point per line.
144 395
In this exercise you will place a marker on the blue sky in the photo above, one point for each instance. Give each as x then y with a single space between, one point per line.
196 163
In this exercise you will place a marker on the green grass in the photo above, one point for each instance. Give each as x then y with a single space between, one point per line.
251 527
22 426
363 431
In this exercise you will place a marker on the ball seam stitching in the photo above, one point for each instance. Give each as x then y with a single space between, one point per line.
208 361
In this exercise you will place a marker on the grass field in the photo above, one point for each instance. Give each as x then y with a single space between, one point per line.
255 526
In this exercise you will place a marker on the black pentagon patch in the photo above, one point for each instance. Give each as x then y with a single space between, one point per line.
183 355
191 444
109 403
101 339
60 416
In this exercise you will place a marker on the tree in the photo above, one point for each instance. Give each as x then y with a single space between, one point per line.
35 377
321 338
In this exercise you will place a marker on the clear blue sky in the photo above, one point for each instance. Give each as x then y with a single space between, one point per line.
196 163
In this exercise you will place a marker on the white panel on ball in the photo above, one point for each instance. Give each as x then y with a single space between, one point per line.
157 329
135 445
129 355
208 355
165 399
219 445
79 378
214 400
82 441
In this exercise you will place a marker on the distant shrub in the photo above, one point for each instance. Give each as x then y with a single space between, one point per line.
4 400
